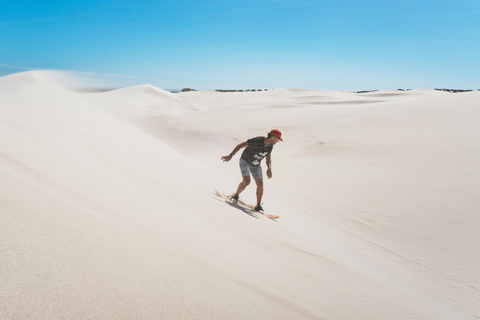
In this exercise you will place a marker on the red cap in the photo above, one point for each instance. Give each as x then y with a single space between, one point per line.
276 133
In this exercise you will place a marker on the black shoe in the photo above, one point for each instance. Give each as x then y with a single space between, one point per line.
234 198
259 208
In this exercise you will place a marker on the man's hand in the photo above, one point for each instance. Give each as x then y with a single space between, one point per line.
269 173
227 158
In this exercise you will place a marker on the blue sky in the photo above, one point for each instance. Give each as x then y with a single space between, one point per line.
323 45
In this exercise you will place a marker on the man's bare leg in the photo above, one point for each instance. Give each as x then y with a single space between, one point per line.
259 183
243 185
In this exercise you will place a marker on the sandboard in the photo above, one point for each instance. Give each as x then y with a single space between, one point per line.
245 205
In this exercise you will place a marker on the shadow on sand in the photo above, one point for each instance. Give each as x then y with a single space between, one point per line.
237 206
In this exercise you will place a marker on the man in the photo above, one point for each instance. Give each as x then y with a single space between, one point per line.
256 149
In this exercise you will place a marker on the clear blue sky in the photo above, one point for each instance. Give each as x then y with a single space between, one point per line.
210 44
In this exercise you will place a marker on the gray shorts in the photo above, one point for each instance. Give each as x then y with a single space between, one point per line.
246 169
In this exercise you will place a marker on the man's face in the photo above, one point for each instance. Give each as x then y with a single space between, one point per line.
274 140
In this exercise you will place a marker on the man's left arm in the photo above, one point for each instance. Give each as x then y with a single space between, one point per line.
269 165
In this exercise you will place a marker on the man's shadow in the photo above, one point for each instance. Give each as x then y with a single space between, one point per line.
237 206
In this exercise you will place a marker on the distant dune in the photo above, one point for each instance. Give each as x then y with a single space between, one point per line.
108 209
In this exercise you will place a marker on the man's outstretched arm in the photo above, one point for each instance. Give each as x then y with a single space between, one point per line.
238 147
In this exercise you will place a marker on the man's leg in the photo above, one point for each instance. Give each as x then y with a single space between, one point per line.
245 170
259 183
243 185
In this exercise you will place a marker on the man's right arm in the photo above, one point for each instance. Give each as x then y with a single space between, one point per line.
237 148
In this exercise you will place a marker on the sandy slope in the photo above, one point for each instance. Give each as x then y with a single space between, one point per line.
108 211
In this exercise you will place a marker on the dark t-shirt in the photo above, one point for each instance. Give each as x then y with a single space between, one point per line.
256 151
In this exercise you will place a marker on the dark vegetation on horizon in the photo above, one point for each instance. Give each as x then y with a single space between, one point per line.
100 90
227 90
445 90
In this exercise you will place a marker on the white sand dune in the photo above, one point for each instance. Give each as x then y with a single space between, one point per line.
107 207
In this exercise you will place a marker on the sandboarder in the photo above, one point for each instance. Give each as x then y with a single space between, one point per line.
250 162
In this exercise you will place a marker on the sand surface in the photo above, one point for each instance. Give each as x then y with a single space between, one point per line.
108 210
